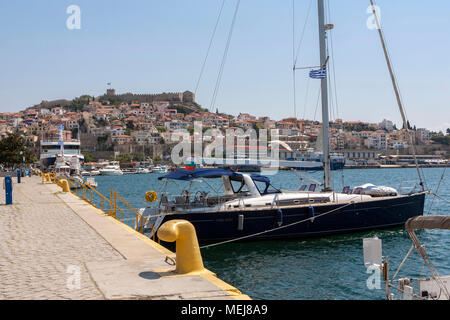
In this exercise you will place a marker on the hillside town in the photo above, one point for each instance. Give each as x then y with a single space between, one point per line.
137 127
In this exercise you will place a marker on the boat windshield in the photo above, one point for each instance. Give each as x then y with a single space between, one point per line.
265 188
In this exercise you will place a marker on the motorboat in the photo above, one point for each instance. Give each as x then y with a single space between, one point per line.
160 169
111 170
95 172
142 170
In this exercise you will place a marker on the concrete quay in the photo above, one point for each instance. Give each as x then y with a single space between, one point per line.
53 245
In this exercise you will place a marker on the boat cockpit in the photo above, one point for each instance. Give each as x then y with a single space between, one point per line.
234 186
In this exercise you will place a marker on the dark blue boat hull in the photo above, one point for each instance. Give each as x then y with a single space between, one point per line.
359 216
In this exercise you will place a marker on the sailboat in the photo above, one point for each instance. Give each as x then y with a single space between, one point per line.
251 208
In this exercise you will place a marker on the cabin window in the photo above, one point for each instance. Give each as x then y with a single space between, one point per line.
239 186
265 188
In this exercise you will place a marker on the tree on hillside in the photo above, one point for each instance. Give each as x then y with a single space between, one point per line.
130 125
78 103
88 157
14 151
123 157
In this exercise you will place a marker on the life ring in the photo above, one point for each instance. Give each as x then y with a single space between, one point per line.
151 196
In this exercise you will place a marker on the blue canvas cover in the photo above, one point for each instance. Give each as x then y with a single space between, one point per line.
188 175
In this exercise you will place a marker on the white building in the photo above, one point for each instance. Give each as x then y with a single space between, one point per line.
422 134
377 140
176 125
386 125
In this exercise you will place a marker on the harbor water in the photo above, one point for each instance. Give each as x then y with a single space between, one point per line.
323 268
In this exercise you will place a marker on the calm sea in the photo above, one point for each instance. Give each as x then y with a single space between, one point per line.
325 268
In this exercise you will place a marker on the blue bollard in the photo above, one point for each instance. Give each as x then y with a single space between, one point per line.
8 189
18 176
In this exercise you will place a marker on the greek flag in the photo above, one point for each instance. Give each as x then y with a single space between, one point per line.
318 74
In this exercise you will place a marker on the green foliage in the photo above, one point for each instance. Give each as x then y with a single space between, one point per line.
138 156
89 157
441 139
102 122
130 125
78 103
102 139
161 129
14 151
182 109
123 157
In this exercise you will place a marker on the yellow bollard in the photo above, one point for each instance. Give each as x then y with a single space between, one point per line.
189 258
64 184
47 177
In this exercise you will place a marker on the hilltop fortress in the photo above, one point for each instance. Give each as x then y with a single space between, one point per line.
173 97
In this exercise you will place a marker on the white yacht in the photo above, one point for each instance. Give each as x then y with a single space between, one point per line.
52 147
160 169
111 170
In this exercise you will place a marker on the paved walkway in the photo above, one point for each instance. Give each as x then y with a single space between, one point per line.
44 245
56 246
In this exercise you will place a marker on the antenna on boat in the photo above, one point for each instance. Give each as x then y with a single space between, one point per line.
397 92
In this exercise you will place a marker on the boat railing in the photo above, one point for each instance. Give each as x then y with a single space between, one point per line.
174 203
408 187
115 206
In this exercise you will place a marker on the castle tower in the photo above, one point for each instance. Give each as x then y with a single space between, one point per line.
188 96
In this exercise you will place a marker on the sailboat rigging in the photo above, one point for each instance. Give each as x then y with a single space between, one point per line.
252 208
396 90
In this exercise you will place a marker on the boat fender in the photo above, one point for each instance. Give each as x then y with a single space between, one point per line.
311 213
241 222
151 196
279 217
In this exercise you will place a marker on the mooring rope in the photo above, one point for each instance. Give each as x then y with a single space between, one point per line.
277 228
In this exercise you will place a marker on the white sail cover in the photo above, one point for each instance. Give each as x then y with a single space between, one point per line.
378 191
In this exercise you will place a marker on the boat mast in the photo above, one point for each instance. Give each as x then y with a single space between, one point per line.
397 93
61 140
324 93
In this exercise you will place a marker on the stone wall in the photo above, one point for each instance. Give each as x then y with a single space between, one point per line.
187 97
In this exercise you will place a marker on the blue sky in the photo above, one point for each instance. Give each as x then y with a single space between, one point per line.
155 46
